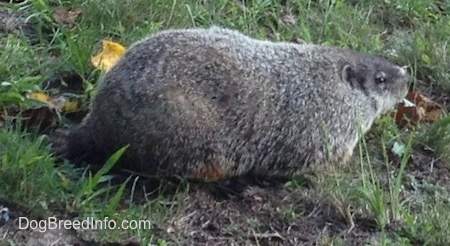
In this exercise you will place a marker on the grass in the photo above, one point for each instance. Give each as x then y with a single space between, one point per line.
406 200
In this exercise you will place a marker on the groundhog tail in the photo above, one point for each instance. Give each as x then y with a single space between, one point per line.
74 146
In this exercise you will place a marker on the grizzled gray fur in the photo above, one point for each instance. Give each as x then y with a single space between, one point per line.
213 103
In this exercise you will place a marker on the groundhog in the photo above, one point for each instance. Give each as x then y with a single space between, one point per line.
214 103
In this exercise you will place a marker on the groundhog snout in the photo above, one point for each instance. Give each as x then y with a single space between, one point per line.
403 78
403 73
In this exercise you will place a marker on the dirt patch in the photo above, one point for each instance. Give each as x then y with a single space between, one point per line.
262 216
434 91
17 227
425 166
265 216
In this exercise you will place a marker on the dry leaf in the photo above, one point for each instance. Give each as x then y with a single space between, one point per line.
70 107
419 109
39 96
109 56
433 111
409 116
66 17
58 103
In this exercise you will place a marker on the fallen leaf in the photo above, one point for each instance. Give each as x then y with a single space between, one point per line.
398 149
109 56
70 107
417 109
59 103
433 111
39 96
66 17
409 116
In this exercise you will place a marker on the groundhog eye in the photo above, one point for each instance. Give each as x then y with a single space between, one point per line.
380 77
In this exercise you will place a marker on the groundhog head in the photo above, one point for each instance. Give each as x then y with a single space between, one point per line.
385 83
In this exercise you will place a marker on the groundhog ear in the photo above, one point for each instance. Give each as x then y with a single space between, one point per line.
348 75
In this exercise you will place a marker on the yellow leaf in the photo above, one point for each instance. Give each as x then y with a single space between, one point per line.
41 97
109 56
58 102
70 106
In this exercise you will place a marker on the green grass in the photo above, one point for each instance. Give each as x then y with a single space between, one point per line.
408 32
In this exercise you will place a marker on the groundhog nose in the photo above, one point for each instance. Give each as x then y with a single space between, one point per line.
403 71
404 78
403 74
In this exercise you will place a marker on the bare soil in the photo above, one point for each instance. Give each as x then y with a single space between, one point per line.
254 214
